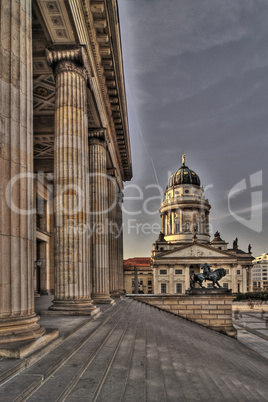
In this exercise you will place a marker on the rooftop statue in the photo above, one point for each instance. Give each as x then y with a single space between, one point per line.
208 275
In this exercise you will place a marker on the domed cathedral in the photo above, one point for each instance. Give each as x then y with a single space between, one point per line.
184 241
185 210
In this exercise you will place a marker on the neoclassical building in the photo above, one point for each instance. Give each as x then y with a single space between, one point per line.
184 242
64 155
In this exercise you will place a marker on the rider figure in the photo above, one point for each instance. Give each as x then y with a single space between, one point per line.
206 269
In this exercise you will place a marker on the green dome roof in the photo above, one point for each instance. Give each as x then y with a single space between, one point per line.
184 175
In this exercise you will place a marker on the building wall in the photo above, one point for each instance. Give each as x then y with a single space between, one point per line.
260 272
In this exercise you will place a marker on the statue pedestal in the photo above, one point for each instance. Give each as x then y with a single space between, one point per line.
211 307
208 291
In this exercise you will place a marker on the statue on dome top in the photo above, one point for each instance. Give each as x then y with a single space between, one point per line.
183 158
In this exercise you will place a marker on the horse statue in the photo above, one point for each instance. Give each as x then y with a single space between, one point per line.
208 275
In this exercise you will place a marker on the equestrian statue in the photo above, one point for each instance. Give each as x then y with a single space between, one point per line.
208 275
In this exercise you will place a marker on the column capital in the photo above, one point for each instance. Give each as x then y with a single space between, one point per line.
69 58
98 136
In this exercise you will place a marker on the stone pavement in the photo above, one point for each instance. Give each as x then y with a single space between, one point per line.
252 330
135 352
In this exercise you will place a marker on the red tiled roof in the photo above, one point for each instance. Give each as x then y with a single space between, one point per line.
142 263
137 261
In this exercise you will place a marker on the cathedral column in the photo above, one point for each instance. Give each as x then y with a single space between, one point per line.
173 222
250 281
163 223
244 279
113 232
18 320
99 243
181 221
234 278
171 279
71 187
187 276
120 265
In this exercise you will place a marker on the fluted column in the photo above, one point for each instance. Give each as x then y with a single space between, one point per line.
18 320
71 187
234 278
99 243
250 281
244 279
120 265
187 277
163 223
113 233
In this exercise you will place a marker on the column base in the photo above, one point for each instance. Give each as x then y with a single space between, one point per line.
17 329
18 350
115 294
102 298
69 307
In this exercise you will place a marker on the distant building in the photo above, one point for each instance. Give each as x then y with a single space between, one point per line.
138 276
184 242
259 272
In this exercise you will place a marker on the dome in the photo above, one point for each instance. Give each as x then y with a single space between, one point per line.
184 175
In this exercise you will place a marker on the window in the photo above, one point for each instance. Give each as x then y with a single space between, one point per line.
238 272
149 282
141 281
163 288
178 271
163 271
210 285
225 285
178 288
227 271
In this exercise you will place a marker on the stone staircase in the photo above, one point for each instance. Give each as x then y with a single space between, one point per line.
135 352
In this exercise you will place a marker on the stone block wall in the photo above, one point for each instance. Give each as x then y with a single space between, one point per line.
212 311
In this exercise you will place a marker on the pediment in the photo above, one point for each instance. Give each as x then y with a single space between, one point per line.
195 250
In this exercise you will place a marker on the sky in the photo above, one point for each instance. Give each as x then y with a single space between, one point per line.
196 77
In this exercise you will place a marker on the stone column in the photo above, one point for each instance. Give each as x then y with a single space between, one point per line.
18 320
120 266
250 281
171 279
71 187
173 222
99 243
113 232
155 279
234 278
187 276
181 221
163 223
244 279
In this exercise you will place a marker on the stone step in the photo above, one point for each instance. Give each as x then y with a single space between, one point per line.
135 385
65 378
11 367
113 387
90 384
221 378
24 384
155 384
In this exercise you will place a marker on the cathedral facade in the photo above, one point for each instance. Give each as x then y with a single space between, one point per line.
184 242
64 157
